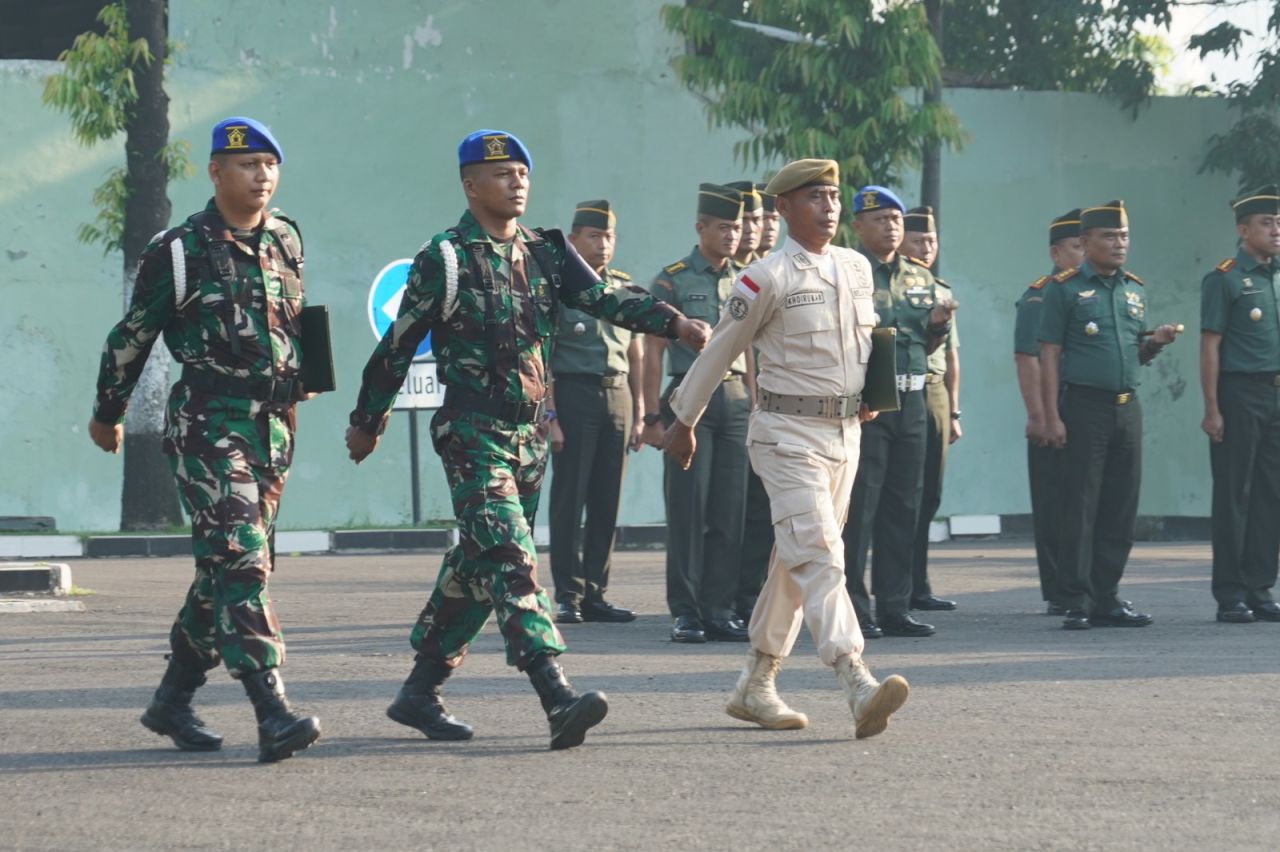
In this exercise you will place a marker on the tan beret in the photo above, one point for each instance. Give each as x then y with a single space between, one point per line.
800 173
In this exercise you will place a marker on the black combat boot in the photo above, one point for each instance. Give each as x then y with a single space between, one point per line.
281 731
418 704
170 715
569 713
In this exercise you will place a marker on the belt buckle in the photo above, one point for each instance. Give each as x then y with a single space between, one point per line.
1123 398
841 406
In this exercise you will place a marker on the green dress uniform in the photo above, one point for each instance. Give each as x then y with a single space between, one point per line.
1240 300
1097 320
594 408
705 504
937 440
888 488
1042 462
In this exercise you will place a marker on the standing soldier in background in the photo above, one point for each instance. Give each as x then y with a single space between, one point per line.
705 504
488 291
941 396
887 490
752 222
1093 338
1240 379
809 309
770 222
225 290
757 528
1042 461
595 367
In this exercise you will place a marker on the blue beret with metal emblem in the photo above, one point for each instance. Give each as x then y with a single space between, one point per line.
876 198
492 146
239 135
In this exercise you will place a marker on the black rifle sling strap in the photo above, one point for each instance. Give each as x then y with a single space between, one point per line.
224 270
548 265
481 271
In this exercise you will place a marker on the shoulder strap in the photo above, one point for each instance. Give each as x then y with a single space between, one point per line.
478 263
1226 265
284 230
224 270
1040 282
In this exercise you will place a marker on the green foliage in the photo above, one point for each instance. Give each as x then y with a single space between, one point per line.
96 89
814 78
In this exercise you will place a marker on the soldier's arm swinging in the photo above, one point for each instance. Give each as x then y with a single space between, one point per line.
1210 367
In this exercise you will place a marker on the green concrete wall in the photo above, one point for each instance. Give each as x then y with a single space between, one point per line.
370 100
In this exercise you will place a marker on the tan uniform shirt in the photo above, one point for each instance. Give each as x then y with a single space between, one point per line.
812 336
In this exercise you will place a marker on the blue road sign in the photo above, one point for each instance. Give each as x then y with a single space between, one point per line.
385 295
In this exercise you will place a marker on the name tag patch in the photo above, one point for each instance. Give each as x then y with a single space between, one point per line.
696 297
805 297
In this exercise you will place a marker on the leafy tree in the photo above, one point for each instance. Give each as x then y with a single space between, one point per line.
815 78
111 82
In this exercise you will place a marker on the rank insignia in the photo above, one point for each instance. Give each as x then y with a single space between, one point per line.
495 147
1255 314
1247 283
1086 294
237 134
1091 328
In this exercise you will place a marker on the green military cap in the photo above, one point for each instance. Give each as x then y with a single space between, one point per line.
802 173
751 200
766 198
719 201
597 213
920 219
1264 199
1109 215
1066 225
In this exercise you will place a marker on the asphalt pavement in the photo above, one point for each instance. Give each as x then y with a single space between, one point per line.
1018 735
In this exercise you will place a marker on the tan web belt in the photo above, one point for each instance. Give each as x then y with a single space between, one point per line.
833 407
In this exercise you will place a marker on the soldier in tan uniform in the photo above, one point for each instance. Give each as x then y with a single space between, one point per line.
808 310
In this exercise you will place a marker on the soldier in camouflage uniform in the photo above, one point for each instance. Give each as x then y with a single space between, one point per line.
488 290
225 290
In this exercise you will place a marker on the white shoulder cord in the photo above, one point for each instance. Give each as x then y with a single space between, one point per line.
450 258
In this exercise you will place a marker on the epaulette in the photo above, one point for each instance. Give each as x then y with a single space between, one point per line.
1067 274
1135 279
618 273
1226 265
1039 282
917 261
675 267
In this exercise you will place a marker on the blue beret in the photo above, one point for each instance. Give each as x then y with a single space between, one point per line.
876 198
239 135
492 146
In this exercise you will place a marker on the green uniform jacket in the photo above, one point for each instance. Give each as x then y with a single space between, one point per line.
1026 326
586 345
938 358
905 294
1097 321
1238 300
699 291
524 318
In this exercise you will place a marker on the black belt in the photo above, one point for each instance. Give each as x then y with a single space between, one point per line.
612 380
1272 379
499 409
1102 394
243 387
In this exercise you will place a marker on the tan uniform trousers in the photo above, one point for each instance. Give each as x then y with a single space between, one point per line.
809 487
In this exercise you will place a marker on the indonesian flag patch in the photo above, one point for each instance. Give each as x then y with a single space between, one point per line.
747 287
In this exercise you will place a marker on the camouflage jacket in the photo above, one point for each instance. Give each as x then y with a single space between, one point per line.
524 323
265 300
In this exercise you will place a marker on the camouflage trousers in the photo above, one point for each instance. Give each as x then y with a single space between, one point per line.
230 484
495 478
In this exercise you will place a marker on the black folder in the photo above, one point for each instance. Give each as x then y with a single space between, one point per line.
317 350
880 393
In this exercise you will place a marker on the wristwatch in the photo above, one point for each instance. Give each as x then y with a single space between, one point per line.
955 415
549 415
651 419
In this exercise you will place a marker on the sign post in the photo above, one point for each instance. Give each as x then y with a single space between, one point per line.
421 390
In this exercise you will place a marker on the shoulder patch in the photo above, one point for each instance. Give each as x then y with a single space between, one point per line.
1039 283
1066 274
675 267
1226 265
619 274
1135 279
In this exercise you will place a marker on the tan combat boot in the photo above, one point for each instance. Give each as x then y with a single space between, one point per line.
872 702
755 698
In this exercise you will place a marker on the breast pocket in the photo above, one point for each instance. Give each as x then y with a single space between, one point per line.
812 336
700 306
1088 309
